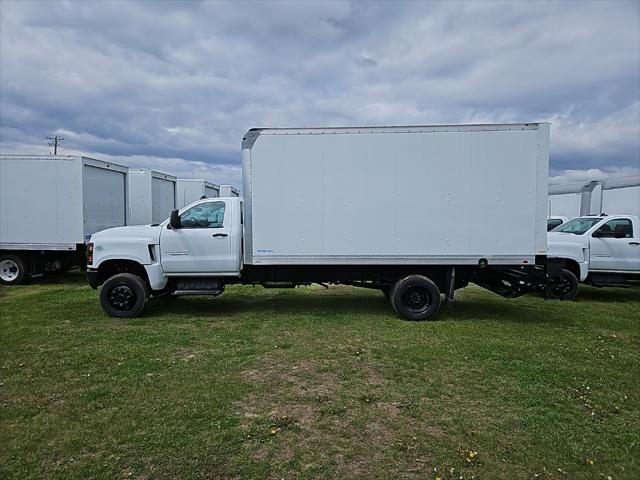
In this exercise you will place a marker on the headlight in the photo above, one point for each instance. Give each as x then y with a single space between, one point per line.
90 253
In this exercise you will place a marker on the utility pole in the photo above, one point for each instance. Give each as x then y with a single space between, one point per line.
55 141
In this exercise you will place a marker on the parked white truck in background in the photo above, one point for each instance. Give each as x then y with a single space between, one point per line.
49 206
411 211
601 250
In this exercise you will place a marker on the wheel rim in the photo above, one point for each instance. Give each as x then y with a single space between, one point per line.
417 299
9 270
122 297
563 287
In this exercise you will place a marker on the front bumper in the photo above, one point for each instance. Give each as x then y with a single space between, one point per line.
92 278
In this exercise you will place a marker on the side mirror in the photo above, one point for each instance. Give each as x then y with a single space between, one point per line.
174 220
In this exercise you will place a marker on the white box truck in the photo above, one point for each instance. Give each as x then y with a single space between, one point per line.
228 191
191 189
49 206
151 196
411 211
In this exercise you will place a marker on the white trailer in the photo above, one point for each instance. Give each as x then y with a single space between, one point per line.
151 196
50 205
229 191
191 189
411 211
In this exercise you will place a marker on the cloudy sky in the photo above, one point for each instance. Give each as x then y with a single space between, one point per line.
173 85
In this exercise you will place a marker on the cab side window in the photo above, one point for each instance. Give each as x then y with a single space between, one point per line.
204 215
551 224
618 228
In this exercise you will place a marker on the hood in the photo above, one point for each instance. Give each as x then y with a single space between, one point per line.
567 245
146 233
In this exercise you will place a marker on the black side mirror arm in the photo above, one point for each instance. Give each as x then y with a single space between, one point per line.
174 220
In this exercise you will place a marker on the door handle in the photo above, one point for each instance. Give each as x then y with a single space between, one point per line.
634 243
219 235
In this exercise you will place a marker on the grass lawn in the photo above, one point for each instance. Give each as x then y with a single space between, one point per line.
315 383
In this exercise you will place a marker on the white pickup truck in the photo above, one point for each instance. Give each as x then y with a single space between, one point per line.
603 251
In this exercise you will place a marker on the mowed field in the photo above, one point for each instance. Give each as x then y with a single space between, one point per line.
315 383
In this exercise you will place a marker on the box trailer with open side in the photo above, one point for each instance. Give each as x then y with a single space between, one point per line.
49 206
411 211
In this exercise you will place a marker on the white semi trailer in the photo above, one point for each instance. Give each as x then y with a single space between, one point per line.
411 211
49 206
191 189
151 195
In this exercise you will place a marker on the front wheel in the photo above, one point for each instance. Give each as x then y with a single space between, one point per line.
124 295
564 287
415 298
12 270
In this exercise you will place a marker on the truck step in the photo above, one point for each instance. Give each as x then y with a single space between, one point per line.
612 280
198 286
198 292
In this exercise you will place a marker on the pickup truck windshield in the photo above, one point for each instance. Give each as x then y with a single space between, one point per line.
578 225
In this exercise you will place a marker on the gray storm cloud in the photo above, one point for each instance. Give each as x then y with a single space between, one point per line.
174 85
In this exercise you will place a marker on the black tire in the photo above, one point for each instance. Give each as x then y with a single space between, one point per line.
13 270
415 298
565 287
124 295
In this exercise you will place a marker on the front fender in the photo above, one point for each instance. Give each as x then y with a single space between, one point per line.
134 249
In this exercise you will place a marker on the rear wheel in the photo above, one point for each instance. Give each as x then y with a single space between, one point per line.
124 295
564 287
12 270
415 298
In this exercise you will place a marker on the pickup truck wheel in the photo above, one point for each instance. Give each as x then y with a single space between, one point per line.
415 298
564 287
12 270
124 295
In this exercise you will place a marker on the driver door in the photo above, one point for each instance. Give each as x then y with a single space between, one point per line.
615 246
203 244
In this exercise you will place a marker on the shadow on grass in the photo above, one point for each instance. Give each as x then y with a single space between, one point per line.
319 307
73 277
606 295
366 307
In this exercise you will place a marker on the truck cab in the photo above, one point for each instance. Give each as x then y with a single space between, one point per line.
191 251
600 250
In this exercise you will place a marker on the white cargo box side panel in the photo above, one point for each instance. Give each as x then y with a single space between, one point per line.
163 189
211 190
188 190
139 204
622 201
442 195
228 191
41 201
104 193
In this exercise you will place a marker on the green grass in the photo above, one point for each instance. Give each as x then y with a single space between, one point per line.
314 383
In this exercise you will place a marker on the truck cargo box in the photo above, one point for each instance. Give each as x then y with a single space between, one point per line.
151 196
454 195
228 191
191 189
55 203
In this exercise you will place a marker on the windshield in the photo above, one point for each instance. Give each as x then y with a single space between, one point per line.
578 225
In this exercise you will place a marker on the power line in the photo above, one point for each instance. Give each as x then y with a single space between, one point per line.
55 141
